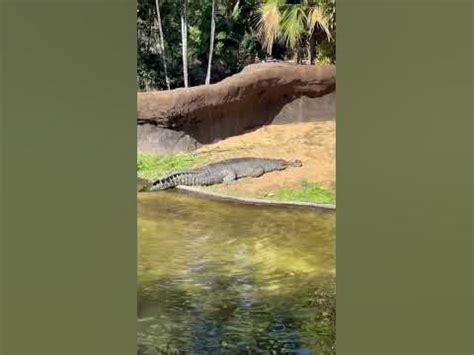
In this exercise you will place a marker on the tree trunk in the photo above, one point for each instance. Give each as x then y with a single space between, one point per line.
162 43
184 40
312 48
298 52
211 46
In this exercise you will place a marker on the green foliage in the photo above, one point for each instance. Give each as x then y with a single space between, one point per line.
326 52
153 166
307 192
293 25
297 25
236 43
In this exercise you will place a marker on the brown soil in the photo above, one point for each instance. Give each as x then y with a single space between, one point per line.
314 143
179 120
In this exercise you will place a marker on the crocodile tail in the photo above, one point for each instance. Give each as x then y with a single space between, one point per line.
171 181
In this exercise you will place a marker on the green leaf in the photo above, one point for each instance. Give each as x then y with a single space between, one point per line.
221 36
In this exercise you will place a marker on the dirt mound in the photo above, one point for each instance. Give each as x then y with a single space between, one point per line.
257 96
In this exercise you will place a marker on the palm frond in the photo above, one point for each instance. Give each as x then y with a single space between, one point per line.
293 25
317 17
236 11
268 25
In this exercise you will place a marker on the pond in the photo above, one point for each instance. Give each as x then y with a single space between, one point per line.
216 277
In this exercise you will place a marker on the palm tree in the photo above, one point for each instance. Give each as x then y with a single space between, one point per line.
269 20
184 39
211 46
293 28
161 44
291 24
317 19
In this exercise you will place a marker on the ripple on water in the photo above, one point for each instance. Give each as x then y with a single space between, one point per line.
216 277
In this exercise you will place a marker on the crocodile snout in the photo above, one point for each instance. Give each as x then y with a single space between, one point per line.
296 163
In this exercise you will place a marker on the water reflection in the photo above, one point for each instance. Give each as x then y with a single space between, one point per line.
218 278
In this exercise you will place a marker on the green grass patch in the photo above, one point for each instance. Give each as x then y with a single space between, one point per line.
153 166
307 192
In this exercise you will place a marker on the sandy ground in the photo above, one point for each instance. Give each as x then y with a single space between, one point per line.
313 143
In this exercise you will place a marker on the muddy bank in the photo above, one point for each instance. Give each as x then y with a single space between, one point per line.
185 119
254 201
314 143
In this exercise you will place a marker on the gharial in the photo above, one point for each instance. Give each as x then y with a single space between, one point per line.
226 172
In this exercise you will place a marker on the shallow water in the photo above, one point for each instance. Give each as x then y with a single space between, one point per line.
223 278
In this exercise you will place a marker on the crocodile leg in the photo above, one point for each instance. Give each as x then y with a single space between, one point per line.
257 172
229 177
